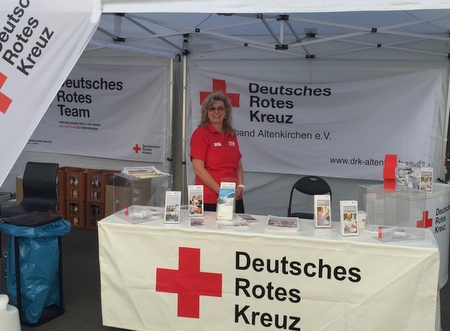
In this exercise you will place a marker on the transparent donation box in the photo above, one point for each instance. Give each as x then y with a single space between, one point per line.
138 199
393 214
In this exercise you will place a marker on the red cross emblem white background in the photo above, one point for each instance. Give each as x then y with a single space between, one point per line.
189 282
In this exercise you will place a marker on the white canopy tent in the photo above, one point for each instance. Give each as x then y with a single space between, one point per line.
279 35
318 42
264 6
326 41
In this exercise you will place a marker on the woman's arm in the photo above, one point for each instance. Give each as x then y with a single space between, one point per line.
200 171
240 179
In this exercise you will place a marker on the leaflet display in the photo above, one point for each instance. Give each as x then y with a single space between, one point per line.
349 217
322 211
173 207
195 196
226 201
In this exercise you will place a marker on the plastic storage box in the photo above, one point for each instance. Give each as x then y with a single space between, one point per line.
133 196
393 214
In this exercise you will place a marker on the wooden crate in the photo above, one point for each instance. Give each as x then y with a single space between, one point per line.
96 181
75 183
61 208
95 211
61 184
76 213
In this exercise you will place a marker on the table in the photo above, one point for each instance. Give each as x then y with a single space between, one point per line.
422 210
156 276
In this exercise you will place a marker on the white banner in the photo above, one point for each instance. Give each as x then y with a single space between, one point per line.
40 42
112 111
335 129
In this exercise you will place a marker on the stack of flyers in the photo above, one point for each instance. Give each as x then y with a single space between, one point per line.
277 223
196 221
235 225
247 218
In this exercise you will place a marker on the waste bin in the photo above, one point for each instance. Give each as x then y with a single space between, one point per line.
34 266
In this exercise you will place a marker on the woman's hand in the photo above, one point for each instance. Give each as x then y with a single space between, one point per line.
239 190
199 169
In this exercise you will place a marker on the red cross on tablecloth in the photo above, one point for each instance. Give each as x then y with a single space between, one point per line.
221 85
189 282
425 222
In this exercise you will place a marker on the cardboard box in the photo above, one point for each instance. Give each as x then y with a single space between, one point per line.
126 191
109 200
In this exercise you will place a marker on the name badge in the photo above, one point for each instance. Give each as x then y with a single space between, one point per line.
217 144
231 143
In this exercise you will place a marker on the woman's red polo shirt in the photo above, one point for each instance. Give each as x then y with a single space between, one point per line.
219 152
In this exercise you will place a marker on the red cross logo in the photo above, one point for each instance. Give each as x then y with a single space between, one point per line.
136 148
4 100
425 222
221 85
189 282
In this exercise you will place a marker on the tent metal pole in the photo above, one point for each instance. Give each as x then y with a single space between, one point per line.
170 124
183 128
282 33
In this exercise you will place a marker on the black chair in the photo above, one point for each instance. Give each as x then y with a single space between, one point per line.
310 186
39 189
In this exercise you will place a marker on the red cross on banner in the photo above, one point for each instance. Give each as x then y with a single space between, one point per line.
4 100
425 222
221 85
136 148
189 282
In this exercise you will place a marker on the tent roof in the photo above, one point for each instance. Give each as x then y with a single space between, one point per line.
418 34
265 6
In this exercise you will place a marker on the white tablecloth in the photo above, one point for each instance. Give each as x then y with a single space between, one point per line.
178 277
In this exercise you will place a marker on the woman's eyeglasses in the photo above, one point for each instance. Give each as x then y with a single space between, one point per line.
216 108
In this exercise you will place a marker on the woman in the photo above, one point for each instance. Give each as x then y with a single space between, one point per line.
215 151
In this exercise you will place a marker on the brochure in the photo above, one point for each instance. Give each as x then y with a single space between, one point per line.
248 218
235 225
393 233
139 214
196 221
349 217
426 179
322 211
143 172
195 194
172 208
226 200
278 223
408 175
